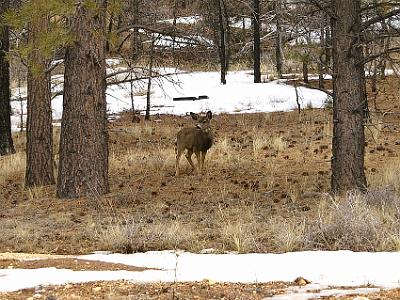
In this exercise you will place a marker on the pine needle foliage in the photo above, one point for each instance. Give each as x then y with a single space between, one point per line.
47 42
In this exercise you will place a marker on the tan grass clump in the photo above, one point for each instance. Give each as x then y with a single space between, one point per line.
22 236
388 177
12 166
287 235
238 229
127 235
263 141
120 236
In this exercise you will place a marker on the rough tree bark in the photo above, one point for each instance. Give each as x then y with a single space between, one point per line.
305 62
149 81
385 46
322 56
174 16
328 44
83 166
257 42
135 47
39 131
135 38
6 142
223 57
350 102
278 38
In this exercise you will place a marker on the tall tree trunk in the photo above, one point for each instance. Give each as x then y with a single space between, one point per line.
384 45
374 78
135 52
39 133
109 31
83 166
174 16
305 68
135 38
257 42
278 38
149 81
322 56
328 45
222 41
350 102
6 142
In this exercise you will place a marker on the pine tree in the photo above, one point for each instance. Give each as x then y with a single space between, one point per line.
256 41
6 142
350 100
45 35
83 165
39 130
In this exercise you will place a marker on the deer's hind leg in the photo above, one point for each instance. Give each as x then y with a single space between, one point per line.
197 153
188 155
178 157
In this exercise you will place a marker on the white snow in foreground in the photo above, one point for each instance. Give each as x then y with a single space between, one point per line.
239 95
334 268
317 291
18 279
323 268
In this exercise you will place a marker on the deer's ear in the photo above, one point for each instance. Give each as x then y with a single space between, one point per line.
194 116
209 115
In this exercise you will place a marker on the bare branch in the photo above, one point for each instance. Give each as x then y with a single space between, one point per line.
378 18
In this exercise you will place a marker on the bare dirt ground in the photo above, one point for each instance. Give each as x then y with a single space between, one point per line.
125 290
263 170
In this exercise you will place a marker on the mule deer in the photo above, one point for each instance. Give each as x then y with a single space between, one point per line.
195 140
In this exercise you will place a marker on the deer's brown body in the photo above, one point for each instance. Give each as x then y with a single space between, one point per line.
195 140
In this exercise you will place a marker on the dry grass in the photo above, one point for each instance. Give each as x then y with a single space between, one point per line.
158 160
174 234
12 166
36 193
28 235
119 237
359 222
239 224
236 236
250 199
387 177
224 155
288 235
237 229
130 235
259 143
262 141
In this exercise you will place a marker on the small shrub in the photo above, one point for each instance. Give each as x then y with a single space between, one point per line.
236 236
173 235
259 143
359 222
287 235
239 229
12 166
278 143
120 237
